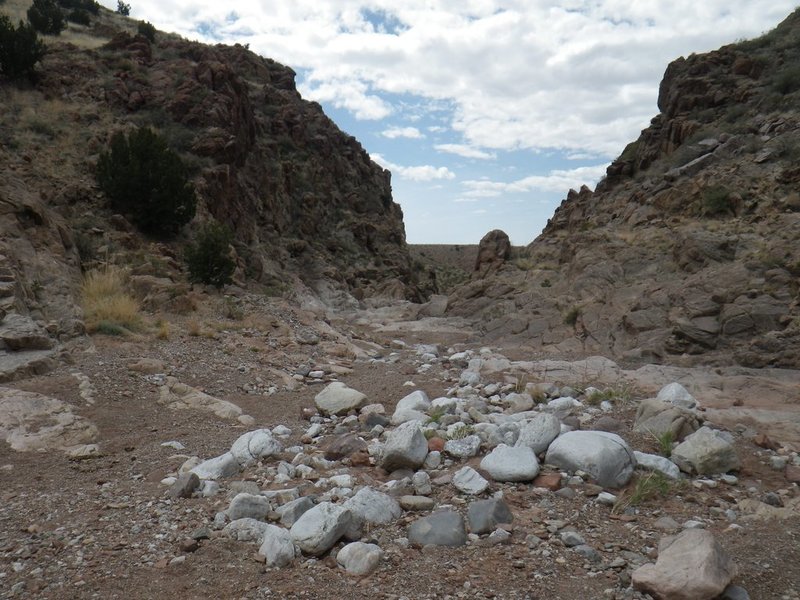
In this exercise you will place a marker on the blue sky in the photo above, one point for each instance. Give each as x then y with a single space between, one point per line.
487 112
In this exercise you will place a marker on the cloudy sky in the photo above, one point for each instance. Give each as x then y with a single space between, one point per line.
485 111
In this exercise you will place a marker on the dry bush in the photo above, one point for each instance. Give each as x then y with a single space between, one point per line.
107 304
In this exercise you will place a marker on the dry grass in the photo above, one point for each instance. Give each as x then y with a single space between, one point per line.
162 330
107 304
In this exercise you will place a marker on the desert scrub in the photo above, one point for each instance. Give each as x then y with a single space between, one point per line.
460 432
108 306
647 487
571 316
716 200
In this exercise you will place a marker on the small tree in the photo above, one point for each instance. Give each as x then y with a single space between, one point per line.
79 16
46 17
142 177
147 30
123 9
208 258
20 49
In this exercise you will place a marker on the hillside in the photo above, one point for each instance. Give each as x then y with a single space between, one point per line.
689 250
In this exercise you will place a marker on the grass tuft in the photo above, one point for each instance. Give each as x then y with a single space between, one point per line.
651 486
107 305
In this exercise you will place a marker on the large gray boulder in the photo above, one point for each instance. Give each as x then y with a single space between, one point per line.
248 506
319 528
690 566
358 558
218 467
657 417
606 457
277 546
469 481
246 530
676 394
484 516
373 507
252 446
405 447
654 462
538 433
444 528
706 452
506 463
338 399
465 447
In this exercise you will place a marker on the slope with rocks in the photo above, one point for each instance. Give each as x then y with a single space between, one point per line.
688 251
308 208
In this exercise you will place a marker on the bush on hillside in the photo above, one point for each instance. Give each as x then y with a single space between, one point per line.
89 6
208 258
46 17
143 178
20 49
147 30
123 8
79 16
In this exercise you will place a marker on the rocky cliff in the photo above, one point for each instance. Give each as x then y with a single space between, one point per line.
689 250
308 207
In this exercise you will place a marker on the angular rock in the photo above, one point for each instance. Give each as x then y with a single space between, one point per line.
277 546
184 486
293 510
676 394
606 457
373 507
246 530
251 447
337 399
538 433
506 463
518 403
484 516
219 467
656 417
358 558
416 503
469 481
416 400
466 447
319 528
248 506
405 447
705 452
654 462
444 528
343 446
690 566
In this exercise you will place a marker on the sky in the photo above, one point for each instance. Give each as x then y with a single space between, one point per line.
485 111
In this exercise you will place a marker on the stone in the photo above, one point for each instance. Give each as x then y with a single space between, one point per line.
466 447
666 523
506 463
422 483
609 424
180 396
484 516
518 403
246 530
792 473
606 499
337 399
293 510
248 506
657 417
735 592
251 447
571 538
443 528
493 250
469 481
416 503
705 452
343 446
690 566
219 467
184 486
676 394
561 407
277 546
548 481
405 447
319 528
373 507
606 457
538 433
404 416
416 400
359 558
469 378
588 553
654 462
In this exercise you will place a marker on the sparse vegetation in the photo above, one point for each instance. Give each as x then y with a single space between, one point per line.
123 8
787 80
665 441
460 432
546 283
79 16
147 30
162 329
571 316
107 305
716 200
647 487
20 50
208 258
435 415
46 17
143 178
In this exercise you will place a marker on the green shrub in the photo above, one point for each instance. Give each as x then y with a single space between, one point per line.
208 258
20 49
571 316
147 30
79 16
143 178
123 8
716 200
46 17
89 6
787 80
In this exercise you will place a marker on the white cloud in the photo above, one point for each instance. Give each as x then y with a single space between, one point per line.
402 132
558 180
416 173
465 151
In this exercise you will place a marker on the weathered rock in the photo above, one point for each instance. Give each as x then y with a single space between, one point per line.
319 528
653 462
251 447
277 546
469 481
184 486
416 503
484 516
416 400
493 250
676 394
246 530
343 446
179 396
293 510
248 506
705 452
538 433
358 558
506 463
466 447
571 538
606 457
337 399
218 467
406 447
657 417
373 507
444 528
690 566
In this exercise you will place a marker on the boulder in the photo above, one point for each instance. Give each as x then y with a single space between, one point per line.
493 250
484 516
466 447
343 446
506 463
277 546
319 528
469 481
606 457
251 447
248 506
657 417
538 433
416 400
373 507
706 452
184 486
218 467
405 448
654 462
338 399
358 558
690 566
676 394
444 528
293 510
246 530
